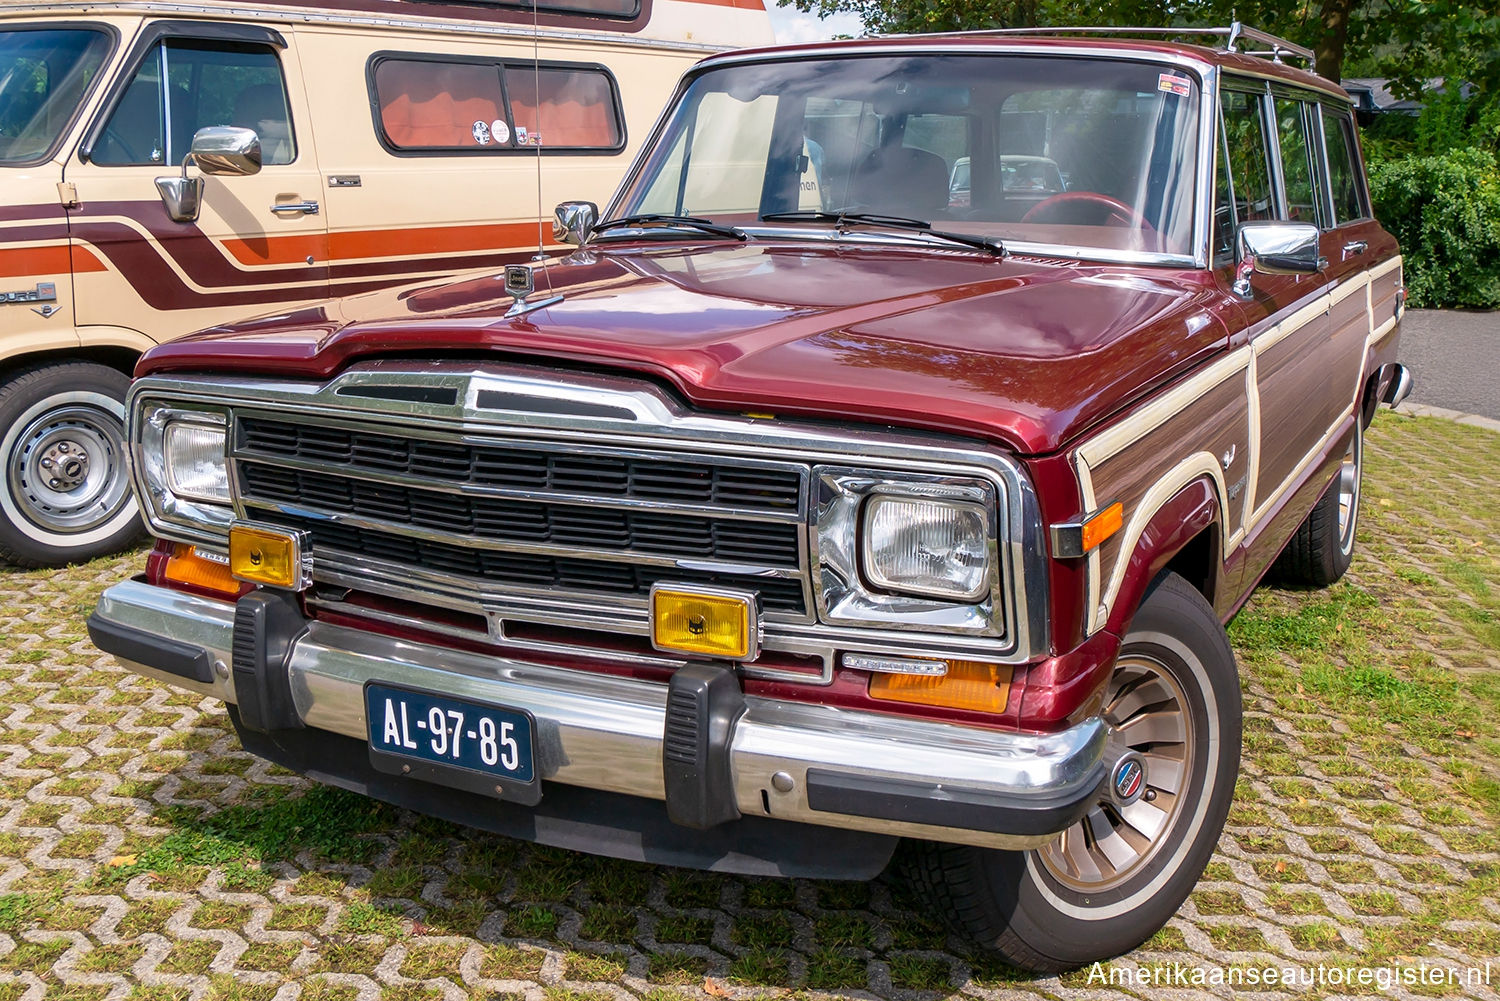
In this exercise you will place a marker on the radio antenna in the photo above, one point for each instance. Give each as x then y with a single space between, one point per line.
536 121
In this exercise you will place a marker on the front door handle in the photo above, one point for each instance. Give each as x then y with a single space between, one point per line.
311 208
1355 247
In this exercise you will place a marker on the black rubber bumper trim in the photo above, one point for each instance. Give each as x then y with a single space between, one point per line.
942 805
141 647
586 820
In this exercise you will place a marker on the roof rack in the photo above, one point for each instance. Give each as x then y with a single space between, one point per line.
1232 34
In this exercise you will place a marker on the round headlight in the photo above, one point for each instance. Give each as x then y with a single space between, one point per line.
927 547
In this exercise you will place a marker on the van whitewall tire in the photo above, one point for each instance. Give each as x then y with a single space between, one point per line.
73 414
1018 905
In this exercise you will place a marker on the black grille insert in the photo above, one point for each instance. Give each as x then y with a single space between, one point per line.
691 481
529 569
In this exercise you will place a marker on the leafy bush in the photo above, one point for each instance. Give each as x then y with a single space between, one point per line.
1445 210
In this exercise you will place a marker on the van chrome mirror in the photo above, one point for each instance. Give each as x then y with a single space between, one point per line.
572 222
226 151
217 149
1276 248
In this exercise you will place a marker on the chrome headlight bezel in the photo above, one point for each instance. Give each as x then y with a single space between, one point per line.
170 513
848 595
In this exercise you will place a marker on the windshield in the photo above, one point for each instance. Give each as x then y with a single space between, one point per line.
44 73
1035 151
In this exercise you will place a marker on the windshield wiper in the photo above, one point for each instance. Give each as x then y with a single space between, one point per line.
843 219
681 221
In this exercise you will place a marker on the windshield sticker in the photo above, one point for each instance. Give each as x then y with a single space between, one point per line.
520 135
1171 83
481 133
500 131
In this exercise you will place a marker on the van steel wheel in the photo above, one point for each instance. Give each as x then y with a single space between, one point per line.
1109 882
65 490
1320 551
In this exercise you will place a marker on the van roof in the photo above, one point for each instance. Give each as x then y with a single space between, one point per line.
701 25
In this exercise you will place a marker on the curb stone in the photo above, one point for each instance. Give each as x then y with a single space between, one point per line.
1423 410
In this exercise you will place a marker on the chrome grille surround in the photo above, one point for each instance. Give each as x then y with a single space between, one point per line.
513 407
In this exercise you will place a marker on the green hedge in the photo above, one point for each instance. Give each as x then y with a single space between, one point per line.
1445 210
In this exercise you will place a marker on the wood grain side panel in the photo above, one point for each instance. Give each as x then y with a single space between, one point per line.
1217 423
1294 383
1344 355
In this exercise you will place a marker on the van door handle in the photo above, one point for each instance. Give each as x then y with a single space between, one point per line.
1355 247
311 208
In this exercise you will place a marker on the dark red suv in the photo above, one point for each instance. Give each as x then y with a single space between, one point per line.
804 508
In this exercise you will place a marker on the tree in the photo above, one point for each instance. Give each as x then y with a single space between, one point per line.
1409 41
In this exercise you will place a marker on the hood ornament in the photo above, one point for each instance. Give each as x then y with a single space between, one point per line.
520 282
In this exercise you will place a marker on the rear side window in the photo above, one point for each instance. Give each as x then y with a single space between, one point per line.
1249 167
1297 170
1343 168
185 85
470 106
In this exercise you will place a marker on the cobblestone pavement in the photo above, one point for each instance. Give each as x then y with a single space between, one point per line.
143 856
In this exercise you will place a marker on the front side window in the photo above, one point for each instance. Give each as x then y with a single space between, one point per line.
439 105
44 74
1298 173
1249 162
1045 151
1343 168
185 85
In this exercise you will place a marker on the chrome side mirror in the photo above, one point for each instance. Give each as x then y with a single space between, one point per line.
217 149
572 222
1275 248
226 150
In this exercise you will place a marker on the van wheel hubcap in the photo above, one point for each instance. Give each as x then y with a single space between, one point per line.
1152 732
66 469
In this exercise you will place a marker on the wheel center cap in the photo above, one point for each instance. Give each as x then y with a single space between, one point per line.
65 464
1127 779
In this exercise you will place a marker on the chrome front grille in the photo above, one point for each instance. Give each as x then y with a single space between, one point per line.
552 517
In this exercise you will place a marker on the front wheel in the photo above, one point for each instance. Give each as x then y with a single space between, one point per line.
65 491
1109 882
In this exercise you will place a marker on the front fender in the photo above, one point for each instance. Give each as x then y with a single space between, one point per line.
1193 510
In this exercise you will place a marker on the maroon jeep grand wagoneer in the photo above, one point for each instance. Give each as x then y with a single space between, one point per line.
812 505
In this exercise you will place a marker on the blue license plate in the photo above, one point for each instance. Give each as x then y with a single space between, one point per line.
451 734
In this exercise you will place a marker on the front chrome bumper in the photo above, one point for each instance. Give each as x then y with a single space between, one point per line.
791 761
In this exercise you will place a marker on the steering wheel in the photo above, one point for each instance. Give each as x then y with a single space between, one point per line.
113 136
1118 213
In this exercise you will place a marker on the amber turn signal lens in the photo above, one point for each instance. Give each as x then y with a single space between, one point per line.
1102 525
967 685
265 556
714 625
187 566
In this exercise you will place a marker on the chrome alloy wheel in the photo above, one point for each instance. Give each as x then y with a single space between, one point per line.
1348 487
1151 731
65 467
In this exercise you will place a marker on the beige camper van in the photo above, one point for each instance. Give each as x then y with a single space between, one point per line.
170 166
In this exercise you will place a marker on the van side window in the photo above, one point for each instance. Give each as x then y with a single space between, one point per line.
454 106
1343 168
567 107
1249 168
185 85
1298 176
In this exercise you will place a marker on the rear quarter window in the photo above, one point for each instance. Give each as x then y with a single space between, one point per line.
432 105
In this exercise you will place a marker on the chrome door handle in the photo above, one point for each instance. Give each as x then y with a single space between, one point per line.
1355 247
311 208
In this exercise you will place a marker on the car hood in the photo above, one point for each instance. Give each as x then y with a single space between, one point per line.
1024 351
